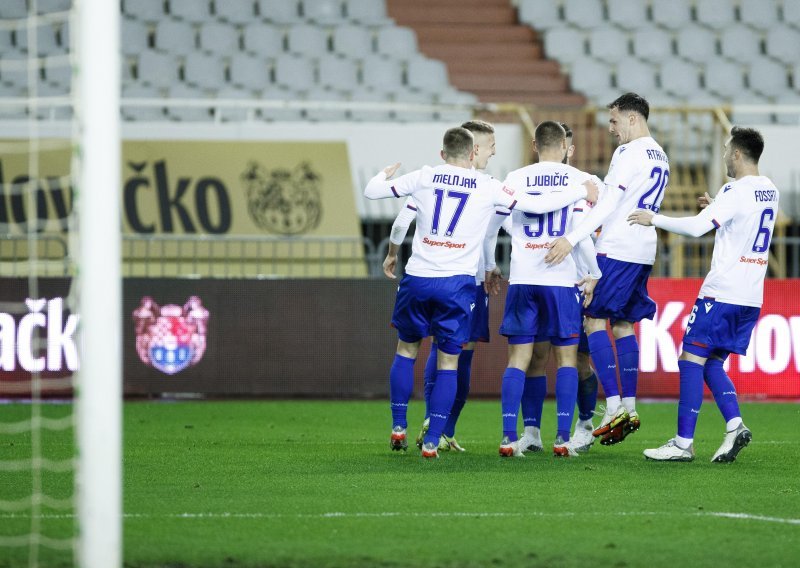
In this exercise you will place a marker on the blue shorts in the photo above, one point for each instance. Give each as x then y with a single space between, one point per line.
479 329
716 328
440 307
621 294
543 313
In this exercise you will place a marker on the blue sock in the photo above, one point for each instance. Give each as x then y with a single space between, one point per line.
533 395
721 386
566 395
430 377
628 358
462 390
604 362
587 397
401 384
510 399
444 392
691 397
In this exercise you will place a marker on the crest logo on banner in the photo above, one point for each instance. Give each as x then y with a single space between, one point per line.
170 338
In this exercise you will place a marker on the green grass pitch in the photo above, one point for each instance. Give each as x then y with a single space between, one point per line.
299 483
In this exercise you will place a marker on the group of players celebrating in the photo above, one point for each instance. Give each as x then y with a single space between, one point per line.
565 288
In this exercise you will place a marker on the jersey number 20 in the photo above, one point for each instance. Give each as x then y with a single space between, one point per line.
661 178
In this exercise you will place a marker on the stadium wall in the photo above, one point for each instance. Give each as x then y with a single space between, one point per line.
331 338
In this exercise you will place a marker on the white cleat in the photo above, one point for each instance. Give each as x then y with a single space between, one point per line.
429 450
424 430
531 442
732 444
582 438
670 452
510 449
564 449
611 421
452 444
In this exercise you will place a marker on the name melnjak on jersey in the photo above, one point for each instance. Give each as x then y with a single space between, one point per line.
456 180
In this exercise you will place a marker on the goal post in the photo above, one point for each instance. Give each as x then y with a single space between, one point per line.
99 285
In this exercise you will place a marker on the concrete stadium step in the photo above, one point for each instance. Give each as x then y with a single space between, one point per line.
468 33
505 66
452 53
511 83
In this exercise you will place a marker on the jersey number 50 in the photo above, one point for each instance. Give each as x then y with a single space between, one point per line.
661 179
550 220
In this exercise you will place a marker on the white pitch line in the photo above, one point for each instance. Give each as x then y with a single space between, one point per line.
431 514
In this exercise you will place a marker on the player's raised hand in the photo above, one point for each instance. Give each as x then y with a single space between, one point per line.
389 264
390 170
587 284
641 217
492 281
705 200
559 249
592 191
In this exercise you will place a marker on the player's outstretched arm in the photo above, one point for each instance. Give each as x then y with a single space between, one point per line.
379 187
687 226
557 200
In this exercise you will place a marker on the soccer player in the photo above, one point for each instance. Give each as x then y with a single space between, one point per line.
543 303
483 132
730 298
454 204
637 177
535 390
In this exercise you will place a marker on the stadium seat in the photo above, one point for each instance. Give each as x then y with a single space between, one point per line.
716 14
142 113
337 73
316 114
248 72
150 11
369 12
57 70
324 12
696 44
381 75
284 12
628 14
216 37
588 75
427 75
565 44
760 15
783 43
411 114
12 112
47 40
608 44
175 37
585 14
306 39
724 78
396 42
263 39
235 11
51 111
14 69
279 113
454 97
679 78
294 72
369 114
768 78
6 40
673 14
194 11
741 43
134 37
204 71
750 116
539 15
352 41
188 113
235 114
50 6
126 70
652 44
791 117
791 13
157 69
637 76
13 9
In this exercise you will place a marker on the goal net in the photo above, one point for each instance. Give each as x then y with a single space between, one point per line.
60 287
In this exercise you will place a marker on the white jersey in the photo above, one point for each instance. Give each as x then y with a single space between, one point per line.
744 214
637 179
531 234
454 206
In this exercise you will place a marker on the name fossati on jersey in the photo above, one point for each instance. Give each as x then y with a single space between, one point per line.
283 201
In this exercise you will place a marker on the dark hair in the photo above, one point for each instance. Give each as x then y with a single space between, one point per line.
549 134
749 141
631 102
476 126
458 142
567 129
